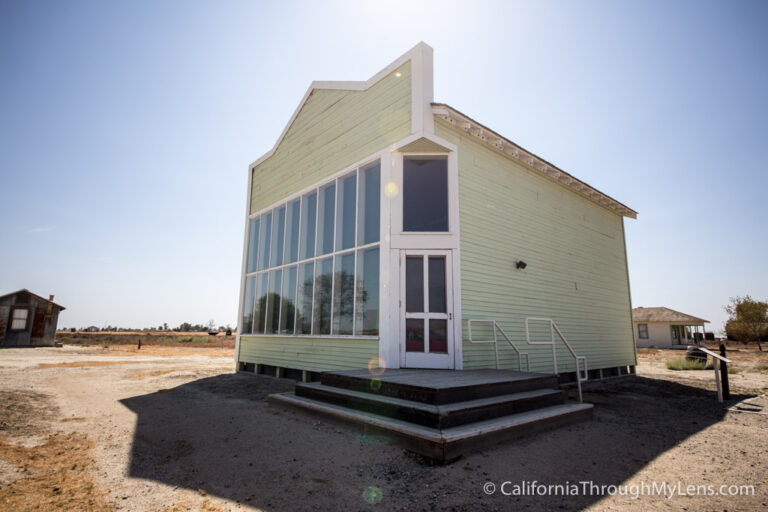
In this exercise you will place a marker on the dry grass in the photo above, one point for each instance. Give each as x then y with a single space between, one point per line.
163 351
205 506
679 363
25 413
145 375
78 364
55 475
159 338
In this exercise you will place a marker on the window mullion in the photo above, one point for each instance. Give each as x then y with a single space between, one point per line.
357 234
336 196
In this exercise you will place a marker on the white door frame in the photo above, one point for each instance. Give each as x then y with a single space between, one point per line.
427 359
394 239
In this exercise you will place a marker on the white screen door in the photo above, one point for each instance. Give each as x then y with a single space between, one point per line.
426 309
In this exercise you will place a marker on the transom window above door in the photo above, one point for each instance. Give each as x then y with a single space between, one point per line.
425 194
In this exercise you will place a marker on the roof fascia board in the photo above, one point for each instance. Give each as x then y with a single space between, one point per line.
528 159
36 295
421 91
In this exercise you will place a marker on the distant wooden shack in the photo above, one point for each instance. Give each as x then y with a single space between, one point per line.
28 320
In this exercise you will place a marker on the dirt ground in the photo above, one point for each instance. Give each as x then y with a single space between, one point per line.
172 428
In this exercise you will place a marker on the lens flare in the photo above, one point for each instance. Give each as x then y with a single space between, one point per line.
373 495
375 384
398 74
391 189
377 366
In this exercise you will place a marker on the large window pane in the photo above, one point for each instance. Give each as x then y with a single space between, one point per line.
367 295
425 194
325 220
369 204
260 307
292 231
288 302
343 293
253 244
345 212
304 314
265 236
437 284
278 229
414 284
273 302
308 218
246 322
323 289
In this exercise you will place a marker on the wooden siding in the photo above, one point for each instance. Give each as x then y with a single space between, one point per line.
333 130
574 248
305 353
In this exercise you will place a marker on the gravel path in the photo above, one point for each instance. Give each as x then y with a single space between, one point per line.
178 430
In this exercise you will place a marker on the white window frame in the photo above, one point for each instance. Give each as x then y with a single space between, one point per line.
14 319
335 178
640 332
394 239
426 239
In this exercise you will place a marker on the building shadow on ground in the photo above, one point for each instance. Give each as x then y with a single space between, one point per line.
222 436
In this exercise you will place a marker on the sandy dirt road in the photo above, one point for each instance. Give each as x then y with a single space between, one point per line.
175 429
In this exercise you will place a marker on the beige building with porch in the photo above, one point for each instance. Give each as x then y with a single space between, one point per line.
665 328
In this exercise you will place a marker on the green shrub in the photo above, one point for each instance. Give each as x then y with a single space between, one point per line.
762 367
680 363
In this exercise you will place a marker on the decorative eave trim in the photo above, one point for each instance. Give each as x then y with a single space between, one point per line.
528 159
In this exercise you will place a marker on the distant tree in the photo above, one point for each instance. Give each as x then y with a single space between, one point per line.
748 319
211 325
165 326
185 327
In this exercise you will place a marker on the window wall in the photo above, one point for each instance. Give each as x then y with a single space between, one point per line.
312 266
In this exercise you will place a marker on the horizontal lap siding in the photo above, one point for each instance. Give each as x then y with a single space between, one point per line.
333 130
313 354
574 249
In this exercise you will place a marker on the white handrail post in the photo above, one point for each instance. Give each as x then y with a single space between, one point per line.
554 349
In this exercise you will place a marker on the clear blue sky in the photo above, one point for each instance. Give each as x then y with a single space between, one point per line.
126 129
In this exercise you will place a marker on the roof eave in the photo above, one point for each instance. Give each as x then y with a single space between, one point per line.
528 159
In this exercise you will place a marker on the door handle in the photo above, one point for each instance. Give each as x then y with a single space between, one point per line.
450 316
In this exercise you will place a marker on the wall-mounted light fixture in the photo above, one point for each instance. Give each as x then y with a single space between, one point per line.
521 264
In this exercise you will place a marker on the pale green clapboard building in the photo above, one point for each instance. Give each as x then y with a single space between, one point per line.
382 223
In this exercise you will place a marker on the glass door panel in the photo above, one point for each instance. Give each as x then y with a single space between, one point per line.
426 309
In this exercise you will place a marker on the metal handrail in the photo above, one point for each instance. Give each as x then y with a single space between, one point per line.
494 327
716 366
552 330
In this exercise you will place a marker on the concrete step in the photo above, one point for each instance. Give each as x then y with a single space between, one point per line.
439 387
430 415
445 445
